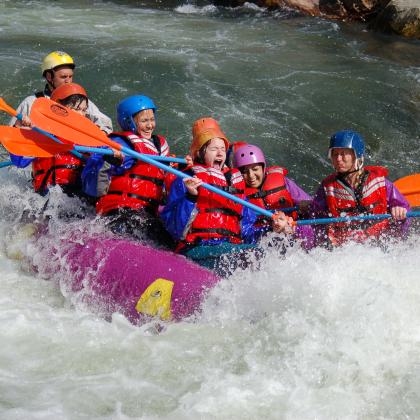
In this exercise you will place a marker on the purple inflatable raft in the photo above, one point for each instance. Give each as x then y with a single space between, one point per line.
115 275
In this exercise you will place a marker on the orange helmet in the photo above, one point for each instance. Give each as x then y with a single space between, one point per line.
66 90
205 136
203 124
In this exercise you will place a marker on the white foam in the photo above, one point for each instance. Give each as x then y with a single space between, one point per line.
190 9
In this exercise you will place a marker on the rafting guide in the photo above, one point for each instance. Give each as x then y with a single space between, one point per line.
57 69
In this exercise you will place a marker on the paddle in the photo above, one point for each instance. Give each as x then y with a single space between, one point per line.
7 108
24 142
69 125
409 186
352 218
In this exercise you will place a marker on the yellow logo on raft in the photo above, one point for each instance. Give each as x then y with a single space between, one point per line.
156 299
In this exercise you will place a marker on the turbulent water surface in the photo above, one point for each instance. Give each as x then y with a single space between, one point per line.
312 335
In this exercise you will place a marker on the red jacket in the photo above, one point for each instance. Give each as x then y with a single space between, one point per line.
217 217
61 169
368 198
273 194
142 184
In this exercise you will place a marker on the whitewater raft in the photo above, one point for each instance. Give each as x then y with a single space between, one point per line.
112 275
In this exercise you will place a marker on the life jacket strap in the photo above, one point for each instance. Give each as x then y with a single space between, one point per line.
149 200
229 189
263 194
53 168
220 231
359 208
156 181
227 211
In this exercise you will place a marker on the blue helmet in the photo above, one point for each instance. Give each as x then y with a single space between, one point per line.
349 140
131 106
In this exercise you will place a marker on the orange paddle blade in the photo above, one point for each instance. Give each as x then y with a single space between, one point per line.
7 108
24 142
66 124
409 186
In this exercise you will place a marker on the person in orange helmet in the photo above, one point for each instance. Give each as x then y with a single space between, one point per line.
209 123
207 225
62 169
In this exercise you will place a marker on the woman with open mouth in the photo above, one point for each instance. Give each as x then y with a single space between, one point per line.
205 224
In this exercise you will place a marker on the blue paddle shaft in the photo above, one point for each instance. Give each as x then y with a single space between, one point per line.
352 218
148 159
107 151
152 160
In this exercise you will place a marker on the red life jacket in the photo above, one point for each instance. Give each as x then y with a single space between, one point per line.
61 169
272 194
217 217
368 198
142 184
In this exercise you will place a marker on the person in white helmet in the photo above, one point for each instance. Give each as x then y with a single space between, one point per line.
57 69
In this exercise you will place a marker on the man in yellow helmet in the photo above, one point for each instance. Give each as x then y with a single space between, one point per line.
58 68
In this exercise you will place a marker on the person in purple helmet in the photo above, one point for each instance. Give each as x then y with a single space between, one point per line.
354 189
268 187
210 227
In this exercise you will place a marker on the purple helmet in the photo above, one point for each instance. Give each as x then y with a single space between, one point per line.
248 155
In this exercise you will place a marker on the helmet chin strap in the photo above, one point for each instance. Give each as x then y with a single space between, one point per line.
50 82
359 163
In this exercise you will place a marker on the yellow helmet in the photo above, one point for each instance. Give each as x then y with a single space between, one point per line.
56 59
